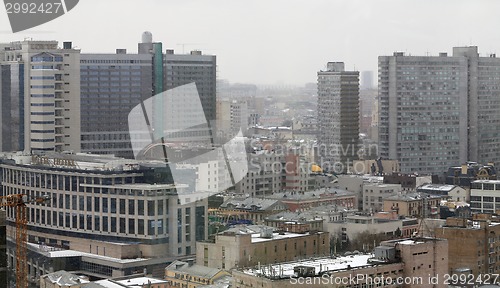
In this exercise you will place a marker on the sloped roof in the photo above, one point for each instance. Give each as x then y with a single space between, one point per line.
193 270
250 204
64 278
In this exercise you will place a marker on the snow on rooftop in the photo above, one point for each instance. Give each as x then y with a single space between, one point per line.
74 253
141 281
437 187
286 270
276 236
409 242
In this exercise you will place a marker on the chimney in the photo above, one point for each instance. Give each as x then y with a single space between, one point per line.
121 51
464 169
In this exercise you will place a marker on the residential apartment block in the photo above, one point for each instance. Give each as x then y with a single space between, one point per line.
374 194
437 110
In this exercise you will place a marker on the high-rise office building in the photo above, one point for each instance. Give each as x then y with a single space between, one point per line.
338 117
437 111
40 96
113 84
107 216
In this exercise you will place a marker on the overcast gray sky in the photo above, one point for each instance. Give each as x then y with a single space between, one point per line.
277 41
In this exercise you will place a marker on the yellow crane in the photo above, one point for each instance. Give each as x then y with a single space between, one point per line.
18 203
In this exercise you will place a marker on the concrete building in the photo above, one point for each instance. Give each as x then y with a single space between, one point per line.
113 84
188 275
398 263
472 246
437 110
107 216
232 115
374 194
40 96
338 117
484 196
418 205
244 246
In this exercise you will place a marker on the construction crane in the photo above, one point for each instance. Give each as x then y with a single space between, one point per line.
18 202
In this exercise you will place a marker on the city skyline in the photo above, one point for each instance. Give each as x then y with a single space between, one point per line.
291 28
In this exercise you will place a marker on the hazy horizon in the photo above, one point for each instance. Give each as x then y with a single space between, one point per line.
279 41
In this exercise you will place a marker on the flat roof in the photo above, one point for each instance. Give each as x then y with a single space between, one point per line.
286 270
74 253
487 181
437 187
276 236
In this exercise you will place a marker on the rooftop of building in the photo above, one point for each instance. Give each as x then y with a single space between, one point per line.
437 187
251 203
262 233
410 241
64 278
223 282
321 193
412 196
320 265
77 161
193 269
52 252
476 224
487 181
132 282
295 217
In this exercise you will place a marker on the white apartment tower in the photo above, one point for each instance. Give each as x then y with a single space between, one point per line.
40 96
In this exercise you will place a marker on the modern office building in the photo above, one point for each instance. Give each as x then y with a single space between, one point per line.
338 117
40 96
113 84
107 216
439 110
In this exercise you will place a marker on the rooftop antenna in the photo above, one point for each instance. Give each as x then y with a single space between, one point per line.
185 44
